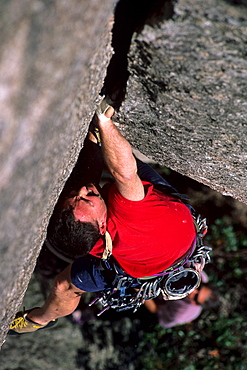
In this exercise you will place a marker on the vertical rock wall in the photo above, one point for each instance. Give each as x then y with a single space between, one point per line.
187 92
53 60
185 104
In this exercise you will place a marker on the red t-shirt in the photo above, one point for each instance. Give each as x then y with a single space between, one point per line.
148 235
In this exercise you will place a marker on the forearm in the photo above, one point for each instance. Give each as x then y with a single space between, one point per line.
117 151
119 158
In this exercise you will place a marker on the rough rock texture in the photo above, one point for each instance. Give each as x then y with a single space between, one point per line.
186 104
53 60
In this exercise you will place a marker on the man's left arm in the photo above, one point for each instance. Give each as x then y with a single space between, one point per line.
118 156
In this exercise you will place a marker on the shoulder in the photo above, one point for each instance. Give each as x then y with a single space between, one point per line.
114 192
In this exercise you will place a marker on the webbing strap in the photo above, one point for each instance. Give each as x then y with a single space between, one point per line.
108 246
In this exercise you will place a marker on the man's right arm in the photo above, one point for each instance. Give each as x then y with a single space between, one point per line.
118 156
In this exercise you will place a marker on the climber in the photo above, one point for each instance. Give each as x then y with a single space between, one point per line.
148 240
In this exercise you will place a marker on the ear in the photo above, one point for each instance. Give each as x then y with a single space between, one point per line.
102 227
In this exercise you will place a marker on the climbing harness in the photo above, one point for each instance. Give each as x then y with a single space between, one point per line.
176 282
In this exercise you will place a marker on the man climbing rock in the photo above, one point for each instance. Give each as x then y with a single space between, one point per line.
148 240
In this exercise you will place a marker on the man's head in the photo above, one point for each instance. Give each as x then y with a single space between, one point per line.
78 221
87 205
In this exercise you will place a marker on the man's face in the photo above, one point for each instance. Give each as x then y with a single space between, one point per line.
87 205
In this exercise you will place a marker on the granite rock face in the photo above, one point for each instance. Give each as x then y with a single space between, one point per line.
53 61
185 105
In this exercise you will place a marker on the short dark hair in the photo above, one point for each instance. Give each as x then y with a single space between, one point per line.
70 237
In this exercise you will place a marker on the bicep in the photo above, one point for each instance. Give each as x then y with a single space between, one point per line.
130 187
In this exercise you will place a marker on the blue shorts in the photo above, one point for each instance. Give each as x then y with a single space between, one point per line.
88 274
92 274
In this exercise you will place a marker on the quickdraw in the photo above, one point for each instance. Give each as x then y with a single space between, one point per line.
176 282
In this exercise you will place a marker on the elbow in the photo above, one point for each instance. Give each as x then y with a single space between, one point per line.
126 173
127 176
